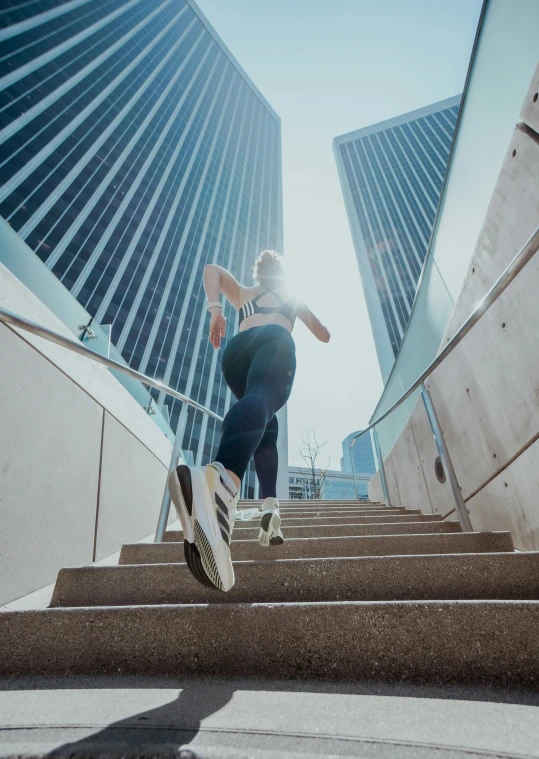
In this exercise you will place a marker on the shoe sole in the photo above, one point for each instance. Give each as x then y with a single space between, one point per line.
203 543
270 529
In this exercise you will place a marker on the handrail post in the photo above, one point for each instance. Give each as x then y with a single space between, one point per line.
381 467
165 502
445 458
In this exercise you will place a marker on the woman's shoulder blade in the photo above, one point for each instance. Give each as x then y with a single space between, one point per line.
247 294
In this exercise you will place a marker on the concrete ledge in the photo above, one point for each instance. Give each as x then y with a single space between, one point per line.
505 576
351 545
436 642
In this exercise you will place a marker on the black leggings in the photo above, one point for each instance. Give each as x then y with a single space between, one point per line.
259 366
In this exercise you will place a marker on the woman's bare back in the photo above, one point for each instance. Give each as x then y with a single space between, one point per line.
217 280
267 300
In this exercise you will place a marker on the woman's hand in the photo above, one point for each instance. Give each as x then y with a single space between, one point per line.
217 327
311 322
324 335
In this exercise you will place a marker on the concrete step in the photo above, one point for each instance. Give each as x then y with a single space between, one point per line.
288 514
312 501
378 524
437 642
246 540
336 529
352 519
327 547
329 506
341 530
348 506
343 507
504 576
250 530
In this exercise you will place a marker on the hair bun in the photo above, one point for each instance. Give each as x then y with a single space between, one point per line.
269 267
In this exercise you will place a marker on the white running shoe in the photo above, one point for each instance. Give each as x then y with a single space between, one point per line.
270 524
205 499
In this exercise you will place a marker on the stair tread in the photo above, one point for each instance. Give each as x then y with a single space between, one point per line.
378 526
345 512
373 578
247 530
321 525
357 545
363 518
419 641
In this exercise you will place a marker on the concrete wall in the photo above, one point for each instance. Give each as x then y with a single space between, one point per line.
487 392
82 466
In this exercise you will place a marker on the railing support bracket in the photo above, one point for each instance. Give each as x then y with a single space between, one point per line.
381 468
460 506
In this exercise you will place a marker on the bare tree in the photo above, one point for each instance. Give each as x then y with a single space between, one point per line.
310 453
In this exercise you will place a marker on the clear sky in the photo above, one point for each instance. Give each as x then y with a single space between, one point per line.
328 68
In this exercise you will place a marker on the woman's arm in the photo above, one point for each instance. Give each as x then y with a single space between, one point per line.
311 322
218 280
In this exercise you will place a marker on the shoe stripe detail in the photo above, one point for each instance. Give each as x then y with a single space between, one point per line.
222 505
223 521
227 488
224 533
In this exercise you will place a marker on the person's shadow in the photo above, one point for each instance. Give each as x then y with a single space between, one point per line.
156 732
170 730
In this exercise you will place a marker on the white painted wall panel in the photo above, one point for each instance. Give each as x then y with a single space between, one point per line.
48 469
406 468
96 380
509 501
132 483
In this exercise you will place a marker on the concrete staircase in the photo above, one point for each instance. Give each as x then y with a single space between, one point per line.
357 592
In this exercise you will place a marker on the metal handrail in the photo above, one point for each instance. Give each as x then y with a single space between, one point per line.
525 254
8 317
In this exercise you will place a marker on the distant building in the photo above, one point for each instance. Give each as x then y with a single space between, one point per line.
337 486
391 176
136 150
363 460
363 453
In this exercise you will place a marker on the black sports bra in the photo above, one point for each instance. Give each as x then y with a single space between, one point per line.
285 309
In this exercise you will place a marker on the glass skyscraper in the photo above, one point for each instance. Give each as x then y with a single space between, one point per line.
391 176
135 150
363 460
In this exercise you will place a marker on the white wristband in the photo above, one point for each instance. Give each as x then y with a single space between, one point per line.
214 304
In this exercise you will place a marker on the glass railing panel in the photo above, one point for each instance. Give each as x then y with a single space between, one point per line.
503 68
504 63
21 260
